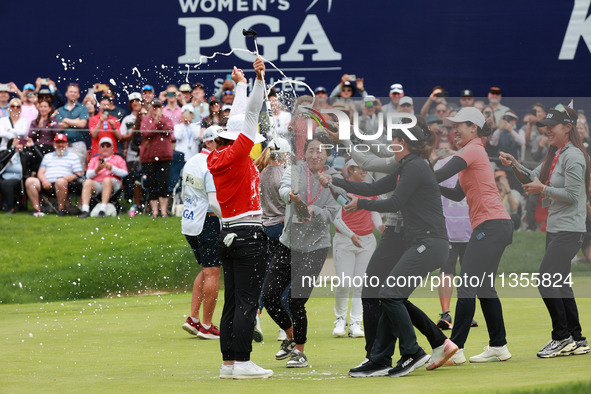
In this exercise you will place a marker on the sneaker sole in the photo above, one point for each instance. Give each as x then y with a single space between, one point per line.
356 336
422 361
243 377
338 335
581 350
374 374
226 377
444 325
565 351
491 359
451 362
449 350
191 330
207 336
297 365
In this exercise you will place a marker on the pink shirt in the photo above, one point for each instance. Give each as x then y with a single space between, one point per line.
173 114
478 182
115 161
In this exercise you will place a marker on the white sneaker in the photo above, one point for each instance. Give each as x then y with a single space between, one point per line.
355 331
492 353
226 371
281 336
250 370
457 359
441 354
339 328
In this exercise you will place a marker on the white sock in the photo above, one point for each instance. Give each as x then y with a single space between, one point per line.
85 208
194 320
206 326
102 207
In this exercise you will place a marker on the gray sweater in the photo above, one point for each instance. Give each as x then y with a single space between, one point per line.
272 204
306 237
566 191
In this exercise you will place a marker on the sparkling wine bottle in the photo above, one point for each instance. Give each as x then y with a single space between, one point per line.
521 174
339 195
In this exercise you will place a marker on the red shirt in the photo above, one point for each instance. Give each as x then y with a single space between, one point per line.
95 120
236 179
478 182
114 160
360 221
156 140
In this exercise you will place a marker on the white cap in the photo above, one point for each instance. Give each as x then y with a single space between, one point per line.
469 114
188 108
226 106
280 145
106 139
396 88
369 98
405 100
350 163
233 128
135 96
211 133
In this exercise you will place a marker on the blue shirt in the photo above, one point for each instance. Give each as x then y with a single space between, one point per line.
4 111
78 112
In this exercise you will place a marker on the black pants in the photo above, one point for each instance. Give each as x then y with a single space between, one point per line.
559 298
456 250
482 257
9 189
384 258
291 266
530 211
244 263
422 257
157 173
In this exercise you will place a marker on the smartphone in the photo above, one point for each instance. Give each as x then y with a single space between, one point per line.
4 86
369 104
228 76
102 87
352 77
44 81
443 94
22 141
534 112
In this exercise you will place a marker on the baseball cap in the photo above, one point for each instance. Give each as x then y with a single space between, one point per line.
349 84
405 101
43 91
499 173
60 138
467 93
29 86
185 88
432 119
495 90
468 114
188 108
156 103
226 107
320 89
211 133
417 131
213 100
147 87
511 114
198 85
555 116
338 163
396 88
106 140
280 145
135 96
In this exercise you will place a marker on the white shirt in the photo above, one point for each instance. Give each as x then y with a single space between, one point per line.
187 139
197 182
282 122
7 131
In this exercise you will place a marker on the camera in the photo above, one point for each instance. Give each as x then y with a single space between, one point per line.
442 94
352 77
44 81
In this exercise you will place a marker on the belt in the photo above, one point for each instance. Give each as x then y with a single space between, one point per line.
210 214
241 224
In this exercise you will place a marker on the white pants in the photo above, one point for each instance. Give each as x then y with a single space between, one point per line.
350 262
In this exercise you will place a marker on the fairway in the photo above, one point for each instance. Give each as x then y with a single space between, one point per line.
136 344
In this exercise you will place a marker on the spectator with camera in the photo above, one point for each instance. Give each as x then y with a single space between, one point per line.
72 117
215 117
494 101
49 92
172 109
132 138
103 124
58 170
13 125
187 136
200 107
438 96
347 88
533 152
148 94
12 173
29 99
103 177
396 93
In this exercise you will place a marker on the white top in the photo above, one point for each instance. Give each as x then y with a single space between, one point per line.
197 182
282 122
7 131
187 139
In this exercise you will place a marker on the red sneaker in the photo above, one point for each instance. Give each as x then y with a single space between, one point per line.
191 327
211 333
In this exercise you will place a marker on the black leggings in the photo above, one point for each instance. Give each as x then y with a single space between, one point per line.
157 173
481 259
10 188
558 296
290 266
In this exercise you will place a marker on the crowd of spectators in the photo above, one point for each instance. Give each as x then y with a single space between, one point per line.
156 133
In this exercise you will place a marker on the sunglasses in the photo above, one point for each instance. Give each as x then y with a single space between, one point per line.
105 145
15 106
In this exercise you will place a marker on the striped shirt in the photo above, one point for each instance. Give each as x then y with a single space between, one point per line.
60 166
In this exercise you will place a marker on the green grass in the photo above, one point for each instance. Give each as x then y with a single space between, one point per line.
136 344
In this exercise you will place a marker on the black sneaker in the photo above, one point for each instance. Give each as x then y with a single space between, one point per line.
84 215
287 347
444 322
101 214
62 212
407 364
474 323
369 369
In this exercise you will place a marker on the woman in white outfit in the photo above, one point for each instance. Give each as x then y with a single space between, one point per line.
352 245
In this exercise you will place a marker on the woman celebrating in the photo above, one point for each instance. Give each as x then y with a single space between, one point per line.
563 181
416 194
302 249
215 117
492 231
242 242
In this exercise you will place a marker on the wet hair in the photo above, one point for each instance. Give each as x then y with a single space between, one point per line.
320 137
573 136
223 141
483 131
424 145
